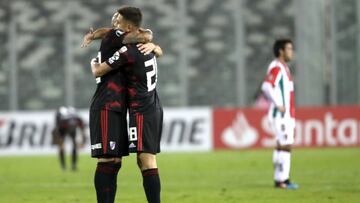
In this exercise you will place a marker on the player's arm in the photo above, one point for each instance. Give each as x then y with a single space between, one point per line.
99 69
142 36
150 47
94 35
268 87
120 58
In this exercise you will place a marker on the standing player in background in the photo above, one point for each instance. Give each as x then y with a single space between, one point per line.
108 126
145 110
279 88
66 123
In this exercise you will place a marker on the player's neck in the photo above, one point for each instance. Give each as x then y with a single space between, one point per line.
282 60
135 30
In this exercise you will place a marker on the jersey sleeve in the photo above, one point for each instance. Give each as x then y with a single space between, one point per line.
120 58
268 87
273 76
118 36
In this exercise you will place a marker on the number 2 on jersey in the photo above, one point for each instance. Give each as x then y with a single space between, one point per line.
151 83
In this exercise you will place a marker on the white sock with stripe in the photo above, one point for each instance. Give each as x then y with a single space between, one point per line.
282 166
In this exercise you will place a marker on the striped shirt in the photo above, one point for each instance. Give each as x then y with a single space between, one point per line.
279 88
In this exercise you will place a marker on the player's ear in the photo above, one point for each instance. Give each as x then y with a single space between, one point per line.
281 52
130 27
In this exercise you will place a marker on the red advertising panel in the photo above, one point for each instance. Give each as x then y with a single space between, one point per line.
315 127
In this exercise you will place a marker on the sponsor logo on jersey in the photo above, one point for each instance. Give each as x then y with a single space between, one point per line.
96 146
112 145
114 58
123 49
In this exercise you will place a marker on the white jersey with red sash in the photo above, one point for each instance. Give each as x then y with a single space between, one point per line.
279 88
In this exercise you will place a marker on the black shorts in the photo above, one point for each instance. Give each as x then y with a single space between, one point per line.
108 134
67 132
59 134
145 131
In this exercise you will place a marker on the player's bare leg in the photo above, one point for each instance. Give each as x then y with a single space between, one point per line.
151 180
282 161
105 179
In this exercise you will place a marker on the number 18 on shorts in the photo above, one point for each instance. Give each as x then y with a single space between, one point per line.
145 132
133 139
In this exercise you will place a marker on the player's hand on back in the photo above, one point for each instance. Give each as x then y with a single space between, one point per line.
148 48
88 38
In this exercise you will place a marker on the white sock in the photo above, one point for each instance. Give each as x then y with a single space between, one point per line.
282 166
276 163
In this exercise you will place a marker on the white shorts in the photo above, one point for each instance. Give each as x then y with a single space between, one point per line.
284 130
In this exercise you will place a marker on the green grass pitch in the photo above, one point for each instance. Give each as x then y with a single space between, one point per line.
324 175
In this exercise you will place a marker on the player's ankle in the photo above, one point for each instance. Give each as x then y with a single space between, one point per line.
280 184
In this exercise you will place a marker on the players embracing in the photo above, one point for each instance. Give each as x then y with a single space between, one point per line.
126 76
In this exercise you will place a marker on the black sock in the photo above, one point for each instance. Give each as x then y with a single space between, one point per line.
105 181
62 159
287 181
278 183
151 183
74 159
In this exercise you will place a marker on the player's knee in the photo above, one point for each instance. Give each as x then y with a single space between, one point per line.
148 165
104 160
61 146
146 161
284 147
117 160
138 161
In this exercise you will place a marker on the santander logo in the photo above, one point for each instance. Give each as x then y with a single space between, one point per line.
240 134
315 127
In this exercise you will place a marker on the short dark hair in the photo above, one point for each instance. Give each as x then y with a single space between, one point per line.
280 45
131 14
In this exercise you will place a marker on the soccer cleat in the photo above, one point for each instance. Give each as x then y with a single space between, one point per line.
286 185
292 186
